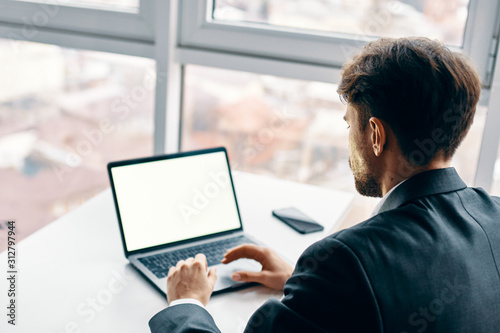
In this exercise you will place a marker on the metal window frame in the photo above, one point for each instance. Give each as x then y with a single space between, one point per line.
80 28
56 16
491 136
199 31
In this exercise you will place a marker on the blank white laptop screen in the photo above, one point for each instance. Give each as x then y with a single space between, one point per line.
175 199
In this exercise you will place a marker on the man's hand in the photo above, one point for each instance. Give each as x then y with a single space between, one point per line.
189 279
275 271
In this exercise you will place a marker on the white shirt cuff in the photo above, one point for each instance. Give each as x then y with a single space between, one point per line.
186 301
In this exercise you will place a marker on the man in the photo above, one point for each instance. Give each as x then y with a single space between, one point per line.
428 261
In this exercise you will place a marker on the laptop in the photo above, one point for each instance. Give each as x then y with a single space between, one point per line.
172 207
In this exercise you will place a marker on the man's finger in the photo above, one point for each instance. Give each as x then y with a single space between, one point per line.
180 263
258 277
202 258
212 277
250 251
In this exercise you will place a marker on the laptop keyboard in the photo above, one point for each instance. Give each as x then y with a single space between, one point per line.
159 264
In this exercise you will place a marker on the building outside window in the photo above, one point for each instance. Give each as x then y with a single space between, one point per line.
64 114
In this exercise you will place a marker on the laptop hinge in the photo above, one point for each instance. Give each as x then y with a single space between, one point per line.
188 244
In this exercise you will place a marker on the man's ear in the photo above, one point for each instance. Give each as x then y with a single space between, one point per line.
378 135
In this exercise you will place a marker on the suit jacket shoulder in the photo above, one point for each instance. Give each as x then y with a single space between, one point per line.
432 257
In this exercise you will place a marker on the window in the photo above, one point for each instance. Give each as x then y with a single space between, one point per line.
230 26
440 19
291 129
295 39
64 114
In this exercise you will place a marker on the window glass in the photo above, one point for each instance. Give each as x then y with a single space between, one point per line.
64 114
286 128
439 19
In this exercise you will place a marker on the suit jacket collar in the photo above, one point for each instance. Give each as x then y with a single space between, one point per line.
424 184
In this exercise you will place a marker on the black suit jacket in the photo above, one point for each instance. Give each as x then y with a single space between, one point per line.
428 262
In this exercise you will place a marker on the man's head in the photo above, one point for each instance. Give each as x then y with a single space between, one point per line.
413 91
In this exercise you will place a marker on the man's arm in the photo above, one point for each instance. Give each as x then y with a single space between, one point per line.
328 291
189 280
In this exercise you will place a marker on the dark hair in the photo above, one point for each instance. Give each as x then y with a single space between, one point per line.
426 93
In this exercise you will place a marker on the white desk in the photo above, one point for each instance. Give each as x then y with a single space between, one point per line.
73 275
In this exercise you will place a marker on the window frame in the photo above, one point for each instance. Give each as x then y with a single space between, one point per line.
83 28
200 31
491 136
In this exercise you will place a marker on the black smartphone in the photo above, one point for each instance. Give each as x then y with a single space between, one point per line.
297 220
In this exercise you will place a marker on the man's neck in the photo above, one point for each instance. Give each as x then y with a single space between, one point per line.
392 178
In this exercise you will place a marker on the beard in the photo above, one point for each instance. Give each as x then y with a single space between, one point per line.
366 182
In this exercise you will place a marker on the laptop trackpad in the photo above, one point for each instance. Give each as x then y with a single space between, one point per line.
225 272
